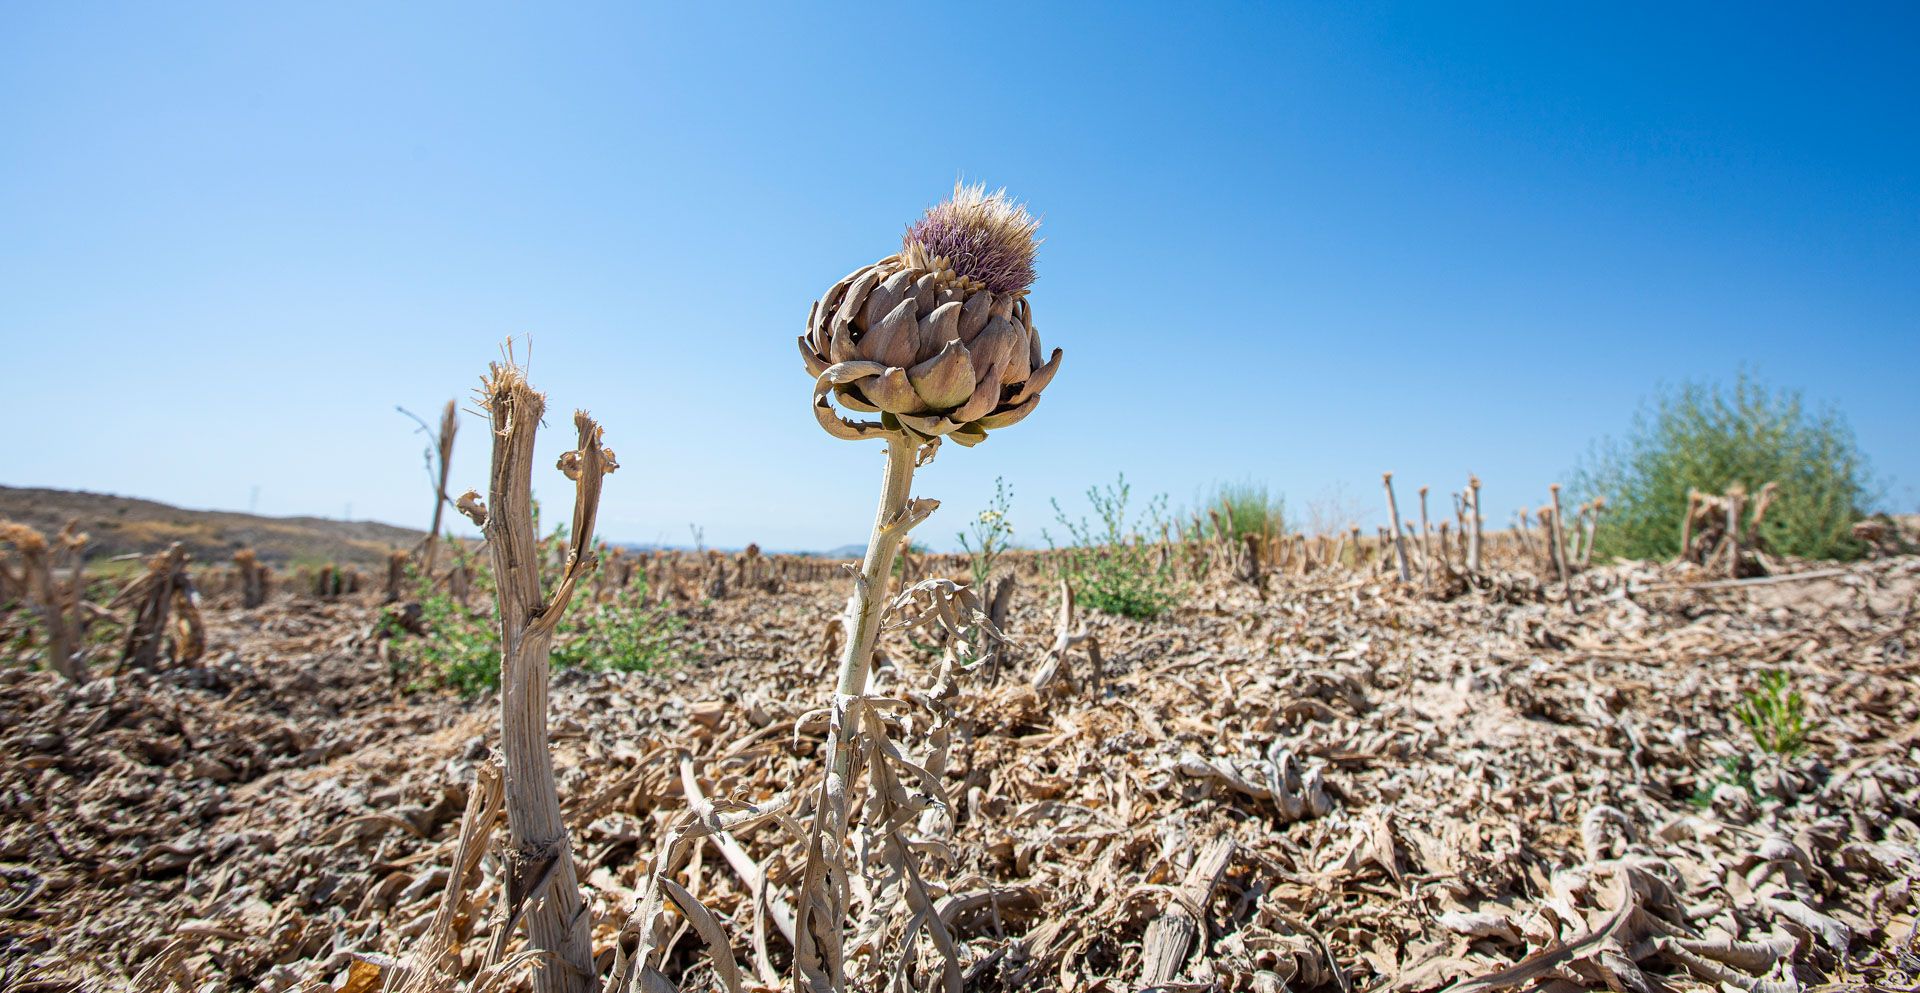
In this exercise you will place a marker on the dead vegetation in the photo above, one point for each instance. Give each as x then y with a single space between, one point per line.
1406 790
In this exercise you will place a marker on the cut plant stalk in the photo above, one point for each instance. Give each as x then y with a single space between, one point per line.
1473 534
439 462
542 885
1393 518
57 603
1558 549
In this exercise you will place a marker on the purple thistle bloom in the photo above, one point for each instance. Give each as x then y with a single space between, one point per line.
985 237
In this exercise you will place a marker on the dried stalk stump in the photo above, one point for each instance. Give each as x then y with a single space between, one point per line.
542 884
1169 939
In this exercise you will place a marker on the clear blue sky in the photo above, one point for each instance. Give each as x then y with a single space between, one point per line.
1299 244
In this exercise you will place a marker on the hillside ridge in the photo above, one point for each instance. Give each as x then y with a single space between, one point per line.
120 525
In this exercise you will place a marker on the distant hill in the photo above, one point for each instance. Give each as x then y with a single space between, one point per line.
124 525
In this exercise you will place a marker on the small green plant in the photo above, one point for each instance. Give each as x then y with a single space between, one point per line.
1112 567
1707 438
1235 510
460 649
1776 715
991 534
1732 770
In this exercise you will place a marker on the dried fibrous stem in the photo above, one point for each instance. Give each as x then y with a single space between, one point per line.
164 610
818 956
426 969
1595 508
1426 541
542 883
1055 666
896 516
1170 936
1473 533
443 462
253 578
1559 542
1399 539
57 603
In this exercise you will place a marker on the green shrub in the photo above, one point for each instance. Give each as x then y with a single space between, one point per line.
1241 509
624 634
1112 566
460 650
1707 438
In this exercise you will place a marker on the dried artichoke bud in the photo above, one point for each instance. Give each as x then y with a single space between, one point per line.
939 339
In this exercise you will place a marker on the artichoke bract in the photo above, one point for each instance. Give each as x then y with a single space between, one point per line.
938 339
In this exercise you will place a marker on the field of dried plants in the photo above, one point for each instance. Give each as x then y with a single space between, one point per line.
1308 775
1199 754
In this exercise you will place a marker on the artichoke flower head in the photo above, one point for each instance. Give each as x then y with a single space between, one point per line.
938 339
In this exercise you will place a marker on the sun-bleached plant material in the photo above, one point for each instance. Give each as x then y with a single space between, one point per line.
1474 522
1557 546
397 565
166 613
253 576
1056 668
938 340
542 885
55 599
1171 936
1399 538
1723 533
439 458
1459 742
434 957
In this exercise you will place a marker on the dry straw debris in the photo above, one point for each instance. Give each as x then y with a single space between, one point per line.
1509 784
1431 759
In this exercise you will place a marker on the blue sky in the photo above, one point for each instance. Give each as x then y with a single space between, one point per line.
1295 244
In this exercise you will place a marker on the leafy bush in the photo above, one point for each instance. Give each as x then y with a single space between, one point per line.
1706 438
1112 566
1242 508
459 648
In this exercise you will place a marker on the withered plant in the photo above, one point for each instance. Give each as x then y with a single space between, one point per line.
542 884
253 578
939 342
56 600
1399 537
166 613
439 457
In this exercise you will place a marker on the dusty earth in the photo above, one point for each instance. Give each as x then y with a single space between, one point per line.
1399 792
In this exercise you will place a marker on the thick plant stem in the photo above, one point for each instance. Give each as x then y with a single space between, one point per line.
876 570
819 954
542 885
